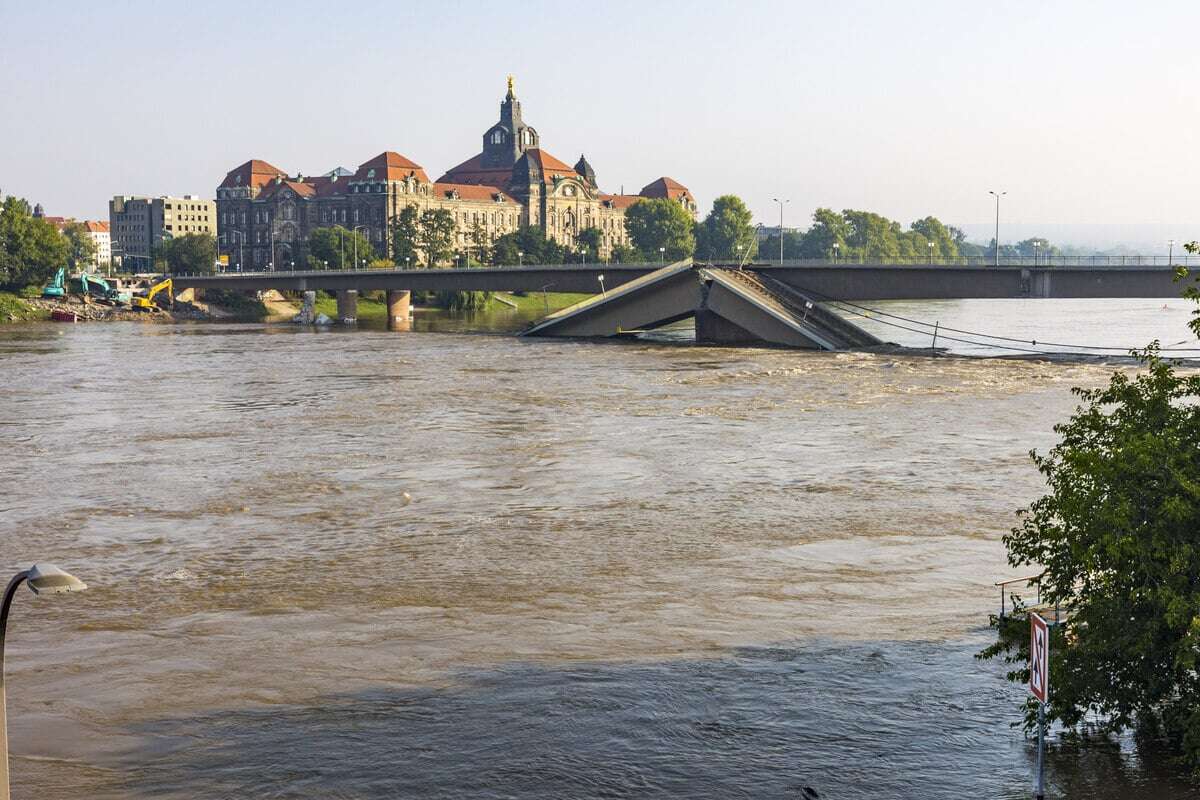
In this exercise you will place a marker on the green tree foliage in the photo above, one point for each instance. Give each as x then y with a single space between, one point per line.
1118 537
436 237
336 247
625 254
661 223
727 233
527 245
81 247
589 241
480 251
406 229
31 250
192 252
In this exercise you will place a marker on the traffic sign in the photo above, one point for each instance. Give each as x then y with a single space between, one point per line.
1039 657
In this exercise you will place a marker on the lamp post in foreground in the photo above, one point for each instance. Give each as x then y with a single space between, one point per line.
42 579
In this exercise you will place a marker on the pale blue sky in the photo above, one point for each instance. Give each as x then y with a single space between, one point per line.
1085 112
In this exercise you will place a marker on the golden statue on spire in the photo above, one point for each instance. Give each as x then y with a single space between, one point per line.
510 84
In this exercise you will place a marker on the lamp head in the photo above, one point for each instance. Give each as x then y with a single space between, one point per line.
49 579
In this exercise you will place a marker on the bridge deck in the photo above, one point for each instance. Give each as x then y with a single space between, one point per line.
841 282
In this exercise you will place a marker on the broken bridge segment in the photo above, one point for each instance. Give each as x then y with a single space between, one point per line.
658 298
747 306
731 306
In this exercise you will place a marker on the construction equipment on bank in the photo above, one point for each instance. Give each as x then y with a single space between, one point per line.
146 302
96 287
57 288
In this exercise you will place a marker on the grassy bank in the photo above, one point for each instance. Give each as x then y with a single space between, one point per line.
14 309
242 306
375 310
534 303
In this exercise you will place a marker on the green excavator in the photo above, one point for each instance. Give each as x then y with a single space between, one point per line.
97 287
57 288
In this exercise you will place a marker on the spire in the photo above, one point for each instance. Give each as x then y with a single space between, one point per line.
585 171
511 95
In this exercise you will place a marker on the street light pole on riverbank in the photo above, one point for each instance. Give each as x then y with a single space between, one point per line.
42 579
997 196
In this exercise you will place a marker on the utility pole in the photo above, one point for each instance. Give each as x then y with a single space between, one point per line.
997 196
781 202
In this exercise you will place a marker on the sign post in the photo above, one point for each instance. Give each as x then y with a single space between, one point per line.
1039 685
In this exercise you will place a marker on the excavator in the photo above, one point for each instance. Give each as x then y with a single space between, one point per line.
146 303
95 286
58 287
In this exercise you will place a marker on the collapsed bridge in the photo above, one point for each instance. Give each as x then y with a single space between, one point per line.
730 306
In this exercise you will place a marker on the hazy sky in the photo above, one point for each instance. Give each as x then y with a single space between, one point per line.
1085 112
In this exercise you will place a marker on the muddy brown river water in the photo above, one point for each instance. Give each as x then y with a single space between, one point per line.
444 565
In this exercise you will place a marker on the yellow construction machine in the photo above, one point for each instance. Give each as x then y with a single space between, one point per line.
146 302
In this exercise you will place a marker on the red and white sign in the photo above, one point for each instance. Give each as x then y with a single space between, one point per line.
1039 657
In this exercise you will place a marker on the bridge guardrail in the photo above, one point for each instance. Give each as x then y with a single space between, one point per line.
1039 262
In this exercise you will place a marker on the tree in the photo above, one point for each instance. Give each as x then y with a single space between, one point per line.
480 249
337 247
31 250
406 229
589 240
727 233
827 238
1118 537
661 225
436 237
192 252
81 247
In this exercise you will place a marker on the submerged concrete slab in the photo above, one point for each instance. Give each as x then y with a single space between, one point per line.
665 295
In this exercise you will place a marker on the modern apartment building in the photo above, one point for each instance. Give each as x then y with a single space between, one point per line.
138 224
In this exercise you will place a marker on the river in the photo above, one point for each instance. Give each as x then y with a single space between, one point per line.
448 564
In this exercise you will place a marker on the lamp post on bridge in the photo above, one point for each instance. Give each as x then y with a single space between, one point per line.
355 230
1036 246
997 196
781 204
520 258
1170 251
837 246
930 252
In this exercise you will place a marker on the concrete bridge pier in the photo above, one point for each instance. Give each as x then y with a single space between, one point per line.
399 310
347 306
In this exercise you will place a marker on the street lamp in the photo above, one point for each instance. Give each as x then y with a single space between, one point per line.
355 230
520 258
781 204
42 579
836 247
602 292
930 252
662 255
406 260
1170 251
1036 245
997 195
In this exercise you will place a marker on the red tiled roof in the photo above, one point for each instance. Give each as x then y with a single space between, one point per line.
389 166
471 191
302 188
253 173
548 163
95 227
665 187
472 171
622 200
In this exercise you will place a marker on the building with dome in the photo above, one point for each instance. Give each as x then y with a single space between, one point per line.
265 216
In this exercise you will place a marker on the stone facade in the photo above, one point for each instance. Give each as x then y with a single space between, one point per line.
265 216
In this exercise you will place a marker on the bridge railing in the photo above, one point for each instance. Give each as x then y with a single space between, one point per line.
1039 262
1030 262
